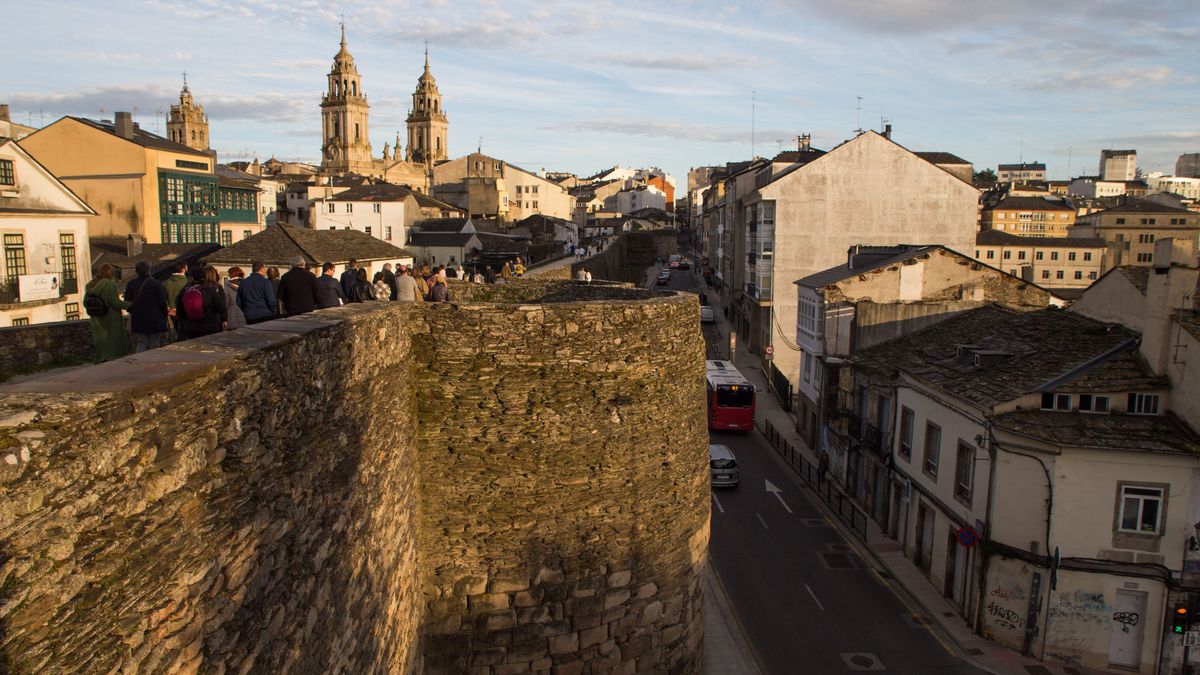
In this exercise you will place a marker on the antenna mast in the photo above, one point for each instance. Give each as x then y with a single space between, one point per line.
753 111
858 116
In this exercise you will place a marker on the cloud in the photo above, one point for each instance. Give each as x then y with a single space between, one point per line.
672 130
685 62
148 99
1090 81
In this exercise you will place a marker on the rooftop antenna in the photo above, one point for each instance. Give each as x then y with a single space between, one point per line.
480 148
753 112
1068 162
858 116
1022 155
158 117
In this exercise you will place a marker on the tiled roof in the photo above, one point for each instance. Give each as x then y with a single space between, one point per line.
454 225
142 137
278 244
1030 204
1142 206
373 192
870 258
440 238
427 202
998 238
941 158
1034 166
1033 349
1155 433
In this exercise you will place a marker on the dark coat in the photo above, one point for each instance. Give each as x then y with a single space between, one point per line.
256 297
391 282
347 280
148 308
216 312
362 291
329 292
298 291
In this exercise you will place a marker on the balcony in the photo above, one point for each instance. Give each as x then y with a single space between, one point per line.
10 291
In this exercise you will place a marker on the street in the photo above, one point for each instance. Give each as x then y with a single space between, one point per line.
805 599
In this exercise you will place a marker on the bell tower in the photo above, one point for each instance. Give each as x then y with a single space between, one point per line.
346 144
427 124
187 124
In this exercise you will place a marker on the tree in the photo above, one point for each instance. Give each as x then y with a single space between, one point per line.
985 176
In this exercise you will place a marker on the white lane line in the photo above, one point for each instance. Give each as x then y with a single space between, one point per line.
760 519
718 503
814 597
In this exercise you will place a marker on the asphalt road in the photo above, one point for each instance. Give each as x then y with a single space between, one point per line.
805 599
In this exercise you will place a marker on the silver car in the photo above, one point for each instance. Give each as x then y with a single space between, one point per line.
724 466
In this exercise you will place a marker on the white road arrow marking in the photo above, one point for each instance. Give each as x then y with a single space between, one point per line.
814 597
718 503
772 489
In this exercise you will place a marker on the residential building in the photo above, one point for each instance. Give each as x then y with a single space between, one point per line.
1093 187
549 236
300 197
139 182
382 210
1188 165
1021 173
11 129
1064 264
1183 186
880 293
1028 216
237 207
798 216
488 187
277 246
187 124
444 241
1131 228
431 207
637 198
1057 454
44 231
1118 165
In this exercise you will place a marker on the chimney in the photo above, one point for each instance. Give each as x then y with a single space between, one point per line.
123 125
133 245
850 253
805 142
4 113
887 131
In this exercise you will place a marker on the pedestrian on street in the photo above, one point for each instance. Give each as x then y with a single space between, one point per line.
236 318
147 309
329 290
587 276
581 275
298 289
104 306
822 467
256 296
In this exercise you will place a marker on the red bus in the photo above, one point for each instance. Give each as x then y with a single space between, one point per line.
730 398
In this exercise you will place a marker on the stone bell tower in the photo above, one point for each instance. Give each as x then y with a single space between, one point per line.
187 123
427 124
346 144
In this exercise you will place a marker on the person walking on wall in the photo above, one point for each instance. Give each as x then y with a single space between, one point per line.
349 277
202 304
103 306
256 296
147 309
390 279
174 286
298 289
275 278
489 274
440 291
506 272
410 290
423 281
382 291
237 319
329 290
362 290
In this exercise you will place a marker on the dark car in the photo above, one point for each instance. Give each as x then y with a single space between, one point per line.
684 264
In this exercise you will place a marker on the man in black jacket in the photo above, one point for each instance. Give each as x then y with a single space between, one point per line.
390 278
329 290
349 277
298 289
148 313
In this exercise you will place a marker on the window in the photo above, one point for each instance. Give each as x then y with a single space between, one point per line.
1078 275
1045 274
991 254
246 234
20 321
1008 255
1038 255
1090 403
1145 257
1020 255
72 309
1071 256
964 472
535 189
1142 404
70 268
1145 239
1051 401
807 370
1149 221
7 177
366 229
1058 274
226 237
1087 257
375 207
933 448
1054 255
1092 276
535 204
1120 221
906 432
1141 509
389 232
14 256
331 207
349 207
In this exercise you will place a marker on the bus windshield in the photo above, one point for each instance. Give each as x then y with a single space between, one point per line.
741 397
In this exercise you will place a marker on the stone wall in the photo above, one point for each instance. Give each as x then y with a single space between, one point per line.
45 343
485 486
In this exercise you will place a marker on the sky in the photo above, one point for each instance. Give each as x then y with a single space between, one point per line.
584 85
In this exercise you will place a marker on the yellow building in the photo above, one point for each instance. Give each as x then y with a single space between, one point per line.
138 182
1131 228
1028 216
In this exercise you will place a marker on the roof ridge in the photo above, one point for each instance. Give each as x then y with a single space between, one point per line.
286 233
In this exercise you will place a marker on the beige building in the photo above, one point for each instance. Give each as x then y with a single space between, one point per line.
138 182
1028 216
1021 173
44 231
487 187
802 213
1118 165
187 124
1058 263
1131 229
11 129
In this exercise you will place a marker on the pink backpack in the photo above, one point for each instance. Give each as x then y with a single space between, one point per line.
192 302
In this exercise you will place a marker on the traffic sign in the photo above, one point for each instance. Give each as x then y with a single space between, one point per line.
967 536
769 349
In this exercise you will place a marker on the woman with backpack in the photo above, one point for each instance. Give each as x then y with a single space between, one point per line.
202 304
103 306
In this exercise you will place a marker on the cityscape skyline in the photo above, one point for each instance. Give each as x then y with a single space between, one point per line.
548 89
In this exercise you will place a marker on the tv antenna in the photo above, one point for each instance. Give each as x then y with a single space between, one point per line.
753 120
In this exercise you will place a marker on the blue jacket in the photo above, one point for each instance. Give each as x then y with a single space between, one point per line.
256 297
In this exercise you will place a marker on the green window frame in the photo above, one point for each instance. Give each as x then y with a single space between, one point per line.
70 266
7 174
14 256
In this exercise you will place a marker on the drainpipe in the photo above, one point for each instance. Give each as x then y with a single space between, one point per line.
987 526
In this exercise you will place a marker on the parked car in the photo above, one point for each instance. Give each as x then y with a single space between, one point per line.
685 264
706 314
664 279
724 466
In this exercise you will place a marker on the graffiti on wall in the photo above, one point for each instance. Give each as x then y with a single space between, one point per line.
1004 617
1079 621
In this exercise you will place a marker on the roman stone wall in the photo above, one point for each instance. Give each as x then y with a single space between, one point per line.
492 487
45 343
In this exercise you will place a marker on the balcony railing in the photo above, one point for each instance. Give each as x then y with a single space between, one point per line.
10 289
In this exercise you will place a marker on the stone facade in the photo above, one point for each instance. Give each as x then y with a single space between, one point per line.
486 487
44 344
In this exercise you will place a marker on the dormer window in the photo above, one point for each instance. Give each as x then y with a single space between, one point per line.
1094 404
1051 401
1142 404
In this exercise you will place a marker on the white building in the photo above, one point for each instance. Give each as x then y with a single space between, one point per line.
1118 165
1090 186
44 231
637 198
1180 185
382 210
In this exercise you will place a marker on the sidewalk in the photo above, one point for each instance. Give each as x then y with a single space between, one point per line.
885 555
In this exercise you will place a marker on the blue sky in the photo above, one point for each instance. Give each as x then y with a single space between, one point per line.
579 86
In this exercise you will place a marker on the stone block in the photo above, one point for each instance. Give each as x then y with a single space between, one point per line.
615 599
647 590
619 579
564 644
650 613
593 636
571 668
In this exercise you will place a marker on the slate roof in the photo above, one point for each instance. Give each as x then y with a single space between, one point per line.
870 258
499 243
441 239
798 156
1138 276
278 244
142 137
373 192
941 158
1021 203
1041 347
1141 206
998 238
114 251
1157 433
1027 166
452 225
426 202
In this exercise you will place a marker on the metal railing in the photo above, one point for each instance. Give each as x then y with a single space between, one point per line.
782 387
833 495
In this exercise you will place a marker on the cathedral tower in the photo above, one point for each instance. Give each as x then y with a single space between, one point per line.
187 123
427 123
346 144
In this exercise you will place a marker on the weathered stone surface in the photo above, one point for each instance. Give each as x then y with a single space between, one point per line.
316 494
